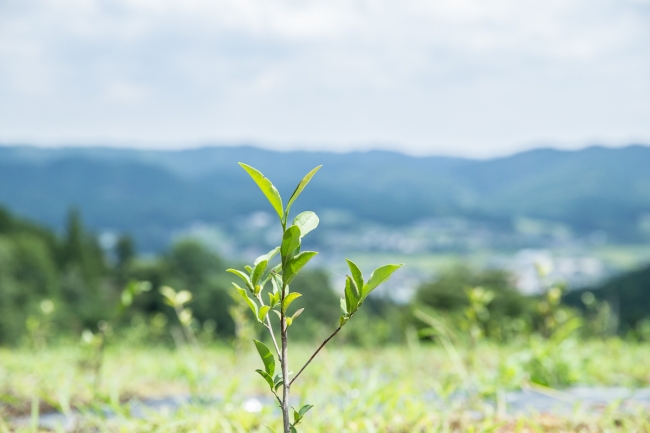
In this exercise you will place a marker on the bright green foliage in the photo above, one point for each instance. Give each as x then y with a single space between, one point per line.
292 261
267 188
295 264
306 222
269 363
392 388
303 183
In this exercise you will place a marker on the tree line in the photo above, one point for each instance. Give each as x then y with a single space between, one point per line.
76 283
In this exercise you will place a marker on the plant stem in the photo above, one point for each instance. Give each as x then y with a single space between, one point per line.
284 362
268 325
275 343
315 353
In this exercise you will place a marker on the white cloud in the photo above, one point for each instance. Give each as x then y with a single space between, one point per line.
427 76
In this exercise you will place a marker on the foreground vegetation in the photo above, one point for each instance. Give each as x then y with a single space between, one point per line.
90 331
403 389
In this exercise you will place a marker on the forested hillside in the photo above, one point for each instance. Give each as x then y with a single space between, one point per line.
153 193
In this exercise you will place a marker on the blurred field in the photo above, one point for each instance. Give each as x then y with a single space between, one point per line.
399 389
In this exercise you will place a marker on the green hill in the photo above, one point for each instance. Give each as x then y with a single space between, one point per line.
153 193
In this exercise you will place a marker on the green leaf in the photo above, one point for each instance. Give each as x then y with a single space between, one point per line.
267 188
258 272
169 294
351 295
306 222
357 276
266 377
296 264
267 358
305 409
264 310
290 241
344 307
289 320
276 282
293 430
278 384
298 415
378 276
342 320
248 269
248 300
303 183
289 299
127 297
183 297
297 313
141 287
243 276
271 300
268 256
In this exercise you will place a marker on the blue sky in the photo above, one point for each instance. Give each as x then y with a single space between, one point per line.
461 77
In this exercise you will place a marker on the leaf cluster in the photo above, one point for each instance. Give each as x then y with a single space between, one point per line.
256 278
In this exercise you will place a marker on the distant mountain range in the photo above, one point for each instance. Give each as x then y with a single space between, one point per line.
154 193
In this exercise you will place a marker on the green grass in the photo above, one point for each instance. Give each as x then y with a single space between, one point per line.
354 389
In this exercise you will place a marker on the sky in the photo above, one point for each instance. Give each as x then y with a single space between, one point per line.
456 77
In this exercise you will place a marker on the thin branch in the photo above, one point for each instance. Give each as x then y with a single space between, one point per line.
278 398
268 326
275 343
315 353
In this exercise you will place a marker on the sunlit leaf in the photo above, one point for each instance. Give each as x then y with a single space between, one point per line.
297 313
276 282
268 256
264 310
303 183
379 276
290 241
185 316
296 264
289 299
266 377
243 276
351 295
183 297
267 359
258 272
267 188
169 294
249 301
344 307
127 297
306 222
305 409
357 276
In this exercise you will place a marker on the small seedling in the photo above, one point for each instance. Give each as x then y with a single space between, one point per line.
177 301
279 299
94 343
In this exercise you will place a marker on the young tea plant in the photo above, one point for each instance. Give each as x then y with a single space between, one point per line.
278 299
